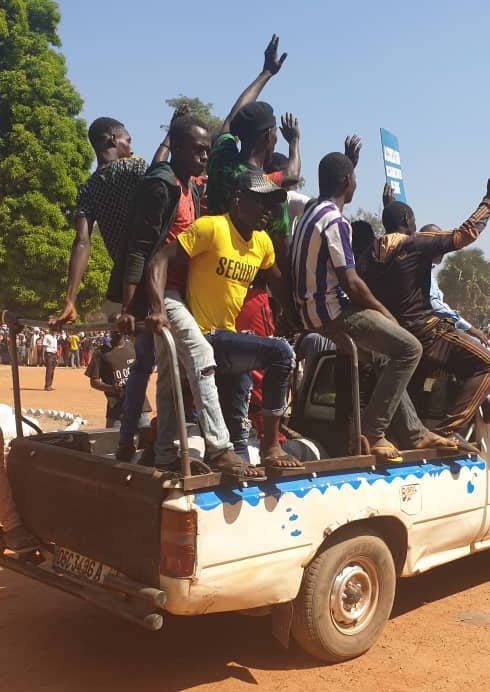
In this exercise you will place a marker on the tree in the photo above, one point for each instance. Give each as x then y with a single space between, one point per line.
200 110
373 219
44 157
465 282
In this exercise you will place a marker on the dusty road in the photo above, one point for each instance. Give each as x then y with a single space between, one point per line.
438 637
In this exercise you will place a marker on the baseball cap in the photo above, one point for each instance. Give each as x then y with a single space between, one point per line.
257 181
251 119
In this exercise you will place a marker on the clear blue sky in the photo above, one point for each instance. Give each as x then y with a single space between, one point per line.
419 69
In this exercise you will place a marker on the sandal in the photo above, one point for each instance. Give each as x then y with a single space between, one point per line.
282 462
234 468
451 443
386 451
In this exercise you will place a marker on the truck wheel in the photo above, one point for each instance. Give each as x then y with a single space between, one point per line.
346 597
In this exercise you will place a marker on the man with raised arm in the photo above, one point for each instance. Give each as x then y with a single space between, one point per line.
221 256
331 297
398 272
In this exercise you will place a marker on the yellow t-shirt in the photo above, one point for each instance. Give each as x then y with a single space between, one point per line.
221 268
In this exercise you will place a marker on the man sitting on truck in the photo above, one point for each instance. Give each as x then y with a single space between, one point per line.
398 271
221 256
331 297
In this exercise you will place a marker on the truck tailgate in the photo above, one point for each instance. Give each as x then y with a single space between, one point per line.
95 506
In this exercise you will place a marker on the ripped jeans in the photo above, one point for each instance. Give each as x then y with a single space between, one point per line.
197 359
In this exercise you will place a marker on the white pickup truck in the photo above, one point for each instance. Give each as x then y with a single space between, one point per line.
320 549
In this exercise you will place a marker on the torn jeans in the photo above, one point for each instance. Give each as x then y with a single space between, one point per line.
197 360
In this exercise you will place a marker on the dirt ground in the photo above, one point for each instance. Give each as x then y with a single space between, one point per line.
438 637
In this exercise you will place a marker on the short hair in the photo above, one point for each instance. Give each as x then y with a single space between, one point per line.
362 236
101 129
430 228
394 215
332 171
277 163
181 127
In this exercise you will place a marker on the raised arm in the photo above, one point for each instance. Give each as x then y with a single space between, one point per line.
272 65
434 244
80 254
290 131
163 151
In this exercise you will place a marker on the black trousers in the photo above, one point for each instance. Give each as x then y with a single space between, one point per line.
449 349
50 362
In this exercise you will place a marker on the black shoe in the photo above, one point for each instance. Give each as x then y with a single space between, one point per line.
125 452
19 540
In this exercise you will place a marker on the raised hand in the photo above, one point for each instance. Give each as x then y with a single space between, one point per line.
271 63
181 110
353 146
289 127
388 194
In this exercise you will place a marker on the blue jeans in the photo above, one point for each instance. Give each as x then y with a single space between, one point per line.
136 386
236 355
196 357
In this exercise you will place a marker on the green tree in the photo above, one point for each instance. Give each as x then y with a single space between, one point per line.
200 110
44 157
465 282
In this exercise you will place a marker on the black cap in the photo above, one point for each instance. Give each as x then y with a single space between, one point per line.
257 181
251 119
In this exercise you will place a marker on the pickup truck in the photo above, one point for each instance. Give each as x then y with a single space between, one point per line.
320 549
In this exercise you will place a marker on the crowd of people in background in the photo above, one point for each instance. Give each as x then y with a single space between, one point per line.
72 350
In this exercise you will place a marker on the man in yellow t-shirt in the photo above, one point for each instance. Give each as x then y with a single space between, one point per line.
222 255
74 345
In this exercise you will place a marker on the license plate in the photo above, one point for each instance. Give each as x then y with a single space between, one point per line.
65 560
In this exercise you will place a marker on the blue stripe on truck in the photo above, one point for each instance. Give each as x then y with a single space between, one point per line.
252 495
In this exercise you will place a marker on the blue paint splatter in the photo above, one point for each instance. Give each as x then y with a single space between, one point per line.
470 488
293 517
300 487
296 533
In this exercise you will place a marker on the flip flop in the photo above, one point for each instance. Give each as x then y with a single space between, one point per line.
271 462
236 472
381 450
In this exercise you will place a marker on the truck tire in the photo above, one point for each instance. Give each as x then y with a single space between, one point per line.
346 597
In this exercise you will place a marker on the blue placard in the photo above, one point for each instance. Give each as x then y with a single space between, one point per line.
393 168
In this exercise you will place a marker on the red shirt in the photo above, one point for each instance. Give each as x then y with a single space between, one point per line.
184 217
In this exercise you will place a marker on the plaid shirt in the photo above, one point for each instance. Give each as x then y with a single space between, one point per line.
107 196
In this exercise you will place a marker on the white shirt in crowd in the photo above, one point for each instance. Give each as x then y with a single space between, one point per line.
50 343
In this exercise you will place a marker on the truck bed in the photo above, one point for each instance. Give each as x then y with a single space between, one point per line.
70 494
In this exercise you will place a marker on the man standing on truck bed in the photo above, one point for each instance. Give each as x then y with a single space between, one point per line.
398 271
221 256
331 297
166 204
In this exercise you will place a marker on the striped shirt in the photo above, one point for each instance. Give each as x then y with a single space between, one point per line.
322 243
